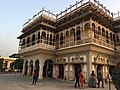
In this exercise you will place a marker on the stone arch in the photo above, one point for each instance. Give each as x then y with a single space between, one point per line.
48 68
87 26
31 68
26 68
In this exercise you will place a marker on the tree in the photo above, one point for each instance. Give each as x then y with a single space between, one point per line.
1 64
18 64
116 76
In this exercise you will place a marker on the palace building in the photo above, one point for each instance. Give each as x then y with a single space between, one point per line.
85 36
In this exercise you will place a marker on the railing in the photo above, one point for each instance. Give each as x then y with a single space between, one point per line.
89 38
85 39
37 44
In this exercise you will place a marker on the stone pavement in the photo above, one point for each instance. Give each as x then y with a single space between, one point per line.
18 82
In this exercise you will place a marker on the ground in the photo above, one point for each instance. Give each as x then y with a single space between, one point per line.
18 82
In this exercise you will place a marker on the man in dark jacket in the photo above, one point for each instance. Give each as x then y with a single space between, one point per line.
77 78
100 78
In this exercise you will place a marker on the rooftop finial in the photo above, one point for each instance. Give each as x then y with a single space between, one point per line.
43 8
118 12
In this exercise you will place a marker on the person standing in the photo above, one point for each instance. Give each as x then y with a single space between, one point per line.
34 77
81 78
92 80
77 78
100 78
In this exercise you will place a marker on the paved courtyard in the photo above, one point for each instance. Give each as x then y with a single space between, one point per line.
18 82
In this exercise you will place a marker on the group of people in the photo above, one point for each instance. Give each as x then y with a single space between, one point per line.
80 80
93 79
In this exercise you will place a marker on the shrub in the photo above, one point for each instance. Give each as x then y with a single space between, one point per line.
116 76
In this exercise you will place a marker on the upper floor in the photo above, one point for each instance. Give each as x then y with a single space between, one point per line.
80 24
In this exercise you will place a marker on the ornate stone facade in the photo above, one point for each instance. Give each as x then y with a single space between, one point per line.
82 36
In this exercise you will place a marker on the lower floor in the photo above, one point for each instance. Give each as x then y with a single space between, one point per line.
16 82
64 66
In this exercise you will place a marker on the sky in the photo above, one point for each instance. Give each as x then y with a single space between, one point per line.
14 13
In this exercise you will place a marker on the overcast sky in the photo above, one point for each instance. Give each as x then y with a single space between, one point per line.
14 13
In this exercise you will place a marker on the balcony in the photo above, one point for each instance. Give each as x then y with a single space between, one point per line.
35 46
87 39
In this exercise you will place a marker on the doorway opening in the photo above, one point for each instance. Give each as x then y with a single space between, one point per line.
48 69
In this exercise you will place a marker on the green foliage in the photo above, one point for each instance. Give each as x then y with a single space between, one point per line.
1 63
19 64
116 77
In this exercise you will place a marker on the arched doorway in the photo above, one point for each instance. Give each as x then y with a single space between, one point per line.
77 67
26 68
99 67
61 71
31 67
37 67
48 68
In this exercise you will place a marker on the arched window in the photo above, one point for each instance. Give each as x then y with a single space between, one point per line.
94 30
50 39
28 41
47 38
111 37
87 26
43 37
57 41
78 34
67 39
107 37
99 30
93 26
72 36
38 37
33 39
61 38
53 40
103 32
23 43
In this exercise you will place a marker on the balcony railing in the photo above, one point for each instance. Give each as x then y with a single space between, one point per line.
38 44
87 39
